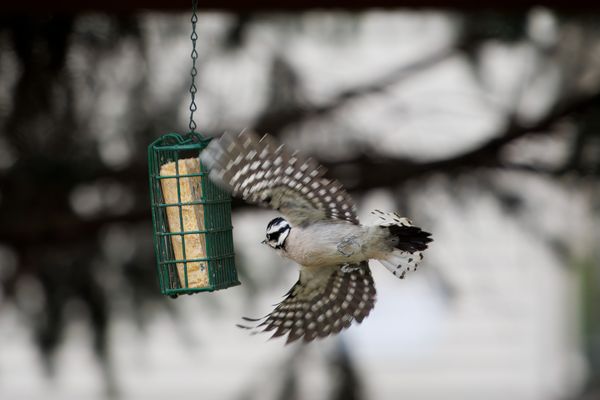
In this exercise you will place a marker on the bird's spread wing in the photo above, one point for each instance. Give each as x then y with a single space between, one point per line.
324 301
263 172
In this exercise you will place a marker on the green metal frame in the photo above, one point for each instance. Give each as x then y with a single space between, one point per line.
220 258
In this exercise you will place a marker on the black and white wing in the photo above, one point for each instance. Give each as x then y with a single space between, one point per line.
324 301
263 172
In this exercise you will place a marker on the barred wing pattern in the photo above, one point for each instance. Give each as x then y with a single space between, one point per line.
263 172
324 301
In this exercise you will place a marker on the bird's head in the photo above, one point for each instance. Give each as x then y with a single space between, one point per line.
277 232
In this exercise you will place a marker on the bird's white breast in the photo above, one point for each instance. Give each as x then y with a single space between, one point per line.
319 244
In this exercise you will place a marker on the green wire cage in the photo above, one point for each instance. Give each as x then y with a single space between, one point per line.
191 219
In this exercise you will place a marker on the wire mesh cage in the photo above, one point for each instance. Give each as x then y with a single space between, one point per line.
191 219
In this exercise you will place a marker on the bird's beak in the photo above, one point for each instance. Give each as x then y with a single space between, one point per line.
264 241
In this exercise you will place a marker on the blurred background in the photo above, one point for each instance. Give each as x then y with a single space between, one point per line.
481 125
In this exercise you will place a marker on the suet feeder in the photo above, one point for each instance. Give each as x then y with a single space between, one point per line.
191 219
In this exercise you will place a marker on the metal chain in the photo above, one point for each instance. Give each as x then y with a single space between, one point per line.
194 71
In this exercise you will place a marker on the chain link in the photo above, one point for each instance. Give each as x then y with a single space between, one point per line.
194 71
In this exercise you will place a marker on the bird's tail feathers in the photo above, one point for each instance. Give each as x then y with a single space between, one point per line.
409 243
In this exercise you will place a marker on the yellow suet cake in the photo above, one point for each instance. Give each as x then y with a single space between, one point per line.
190 190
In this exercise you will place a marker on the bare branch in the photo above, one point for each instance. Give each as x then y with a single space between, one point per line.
388 172
273 121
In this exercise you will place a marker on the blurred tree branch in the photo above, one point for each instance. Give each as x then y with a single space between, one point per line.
275 119
389 172
359 174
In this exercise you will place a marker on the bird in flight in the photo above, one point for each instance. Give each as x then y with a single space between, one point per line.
320 232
